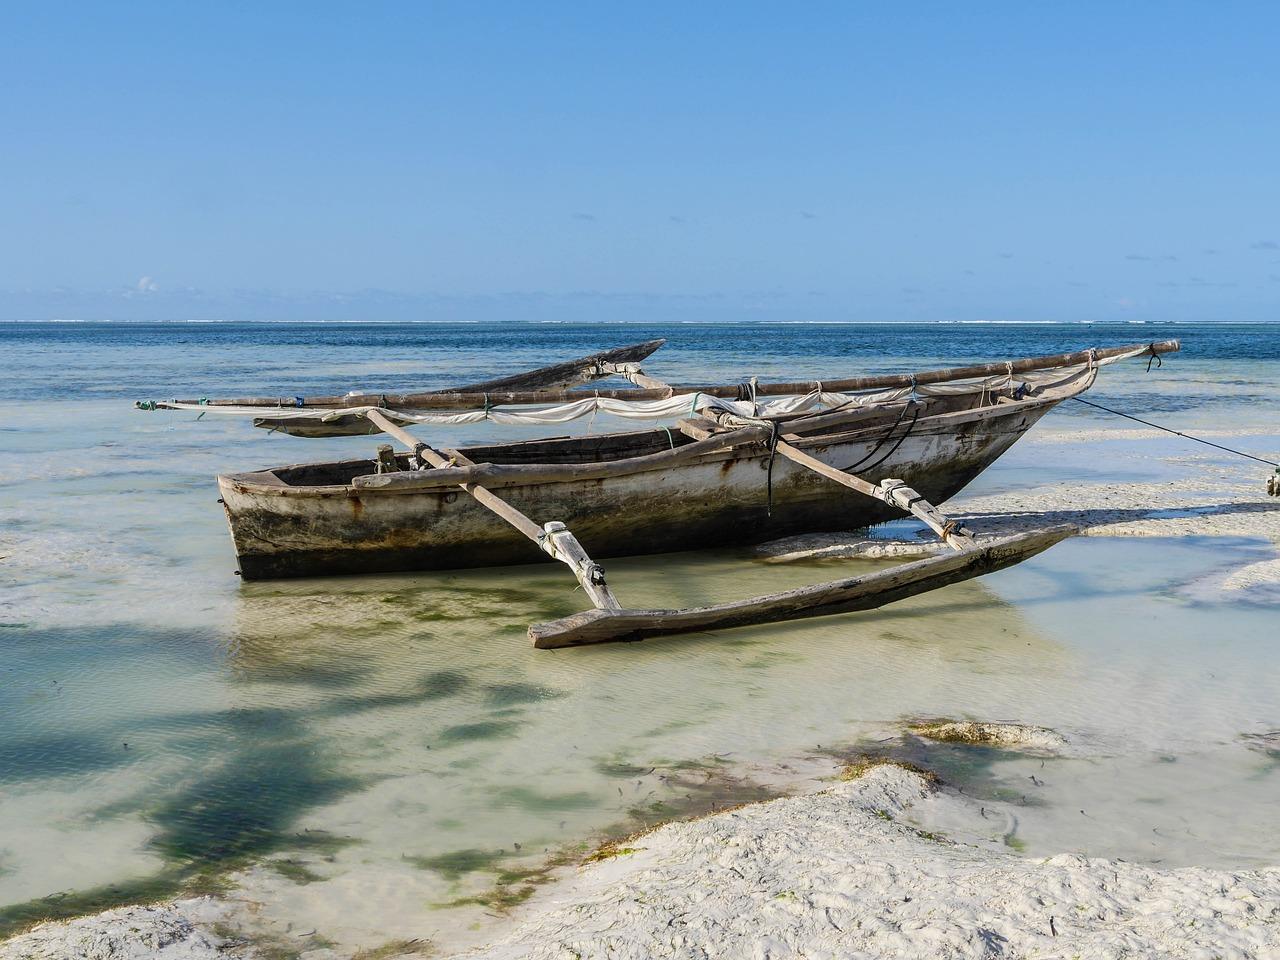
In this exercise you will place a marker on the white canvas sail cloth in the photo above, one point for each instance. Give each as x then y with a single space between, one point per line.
680 405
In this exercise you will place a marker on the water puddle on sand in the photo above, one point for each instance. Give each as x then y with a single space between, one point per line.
387 757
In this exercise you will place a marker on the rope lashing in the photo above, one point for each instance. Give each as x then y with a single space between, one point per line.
693 407
594 572
1155 358
1177 433
886 490
670 439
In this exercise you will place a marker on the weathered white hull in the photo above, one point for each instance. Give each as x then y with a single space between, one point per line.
293 531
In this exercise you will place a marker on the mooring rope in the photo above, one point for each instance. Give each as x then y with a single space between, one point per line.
1177 433
911 406
864 466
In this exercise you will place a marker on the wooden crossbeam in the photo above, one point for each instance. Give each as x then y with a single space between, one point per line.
554 539
893 492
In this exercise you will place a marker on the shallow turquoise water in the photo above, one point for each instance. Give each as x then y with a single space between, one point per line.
396 737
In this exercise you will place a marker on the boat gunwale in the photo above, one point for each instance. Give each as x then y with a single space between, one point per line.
249 483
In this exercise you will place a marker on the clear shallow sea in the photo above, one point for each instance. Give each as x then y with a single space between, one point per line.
383 744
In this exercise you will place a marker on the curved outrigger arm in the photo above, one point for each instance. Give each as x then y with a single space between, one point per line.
893 492
554 538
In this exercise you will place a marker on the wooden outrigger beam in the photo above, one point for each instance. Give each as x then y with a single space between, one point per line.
893 492
468 399
820 600
553 538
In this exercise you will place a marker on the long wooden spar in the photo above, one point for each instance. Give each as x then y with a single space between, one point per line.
554 538
470 399
893 492
865 592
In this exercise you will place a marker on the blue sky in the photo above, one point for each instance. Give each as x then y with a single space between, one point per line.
655 161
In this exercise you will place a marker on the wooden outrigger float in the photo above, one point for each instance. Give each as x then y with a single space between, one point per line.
734 467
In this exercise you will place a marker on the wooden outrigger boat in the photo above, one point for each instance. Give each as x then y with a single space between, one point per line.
735 466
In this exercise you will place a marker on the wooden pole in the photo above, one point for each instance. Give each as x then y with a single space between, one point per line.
893 492
507 474
554 539
469 399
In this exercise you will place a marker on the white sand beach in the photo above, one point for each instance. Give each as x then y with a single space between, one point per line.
844 873
886 863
